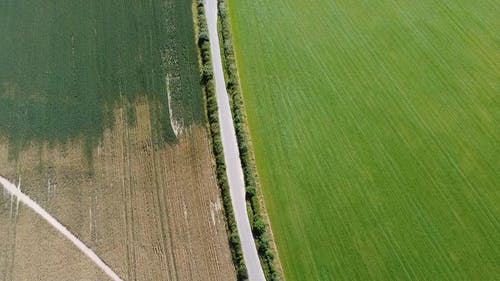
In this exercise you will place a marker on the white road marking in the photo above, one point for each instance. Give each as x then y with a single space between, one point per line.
16 191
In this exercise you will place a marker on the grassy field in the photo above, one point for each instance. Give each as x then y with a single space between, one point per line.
102 122
376 127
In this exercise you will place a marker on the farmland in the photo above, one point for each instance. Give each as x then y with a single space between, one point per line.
375 126
61 57
102 124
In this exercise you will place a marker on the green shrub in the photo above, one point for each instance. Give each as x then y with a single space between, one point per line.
259 226
250 191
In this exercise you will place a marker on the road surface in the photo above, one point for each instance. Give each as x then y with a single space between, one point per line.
231 153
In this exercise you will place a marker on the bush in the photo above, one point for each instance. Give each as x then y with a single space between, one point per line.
203 38
207 74
259 226
250 192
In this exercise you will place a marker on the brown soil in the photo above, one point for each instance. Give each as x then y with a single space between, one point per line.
150 214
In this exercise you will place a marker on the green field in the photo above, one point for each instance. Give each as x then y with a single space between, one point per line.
376 127
65 65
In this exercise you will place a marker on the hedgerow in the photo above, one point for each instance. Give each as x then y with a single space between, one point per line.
207 83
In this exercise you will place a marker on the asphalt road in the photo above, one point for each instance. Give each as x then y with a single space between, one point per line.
231 153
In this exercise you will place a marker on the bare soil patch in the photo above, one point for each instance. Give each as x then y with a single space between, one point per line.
150 213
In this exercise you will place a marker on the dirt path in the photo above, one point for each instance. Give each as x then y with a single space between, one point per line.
20 196
231 153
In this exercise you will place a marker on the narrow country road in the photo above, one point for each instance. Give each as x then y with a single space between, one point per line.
231 153
20 196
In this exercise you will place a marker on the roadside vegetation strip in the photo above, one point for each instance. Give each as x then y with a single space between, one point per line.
20 196
234 169
258 217
208 87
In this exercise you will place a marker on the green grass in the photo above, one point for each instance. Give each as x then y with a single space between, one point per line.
376 127
65 65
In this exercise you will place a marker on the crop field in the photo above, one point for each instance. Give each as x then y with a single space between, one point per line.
102 124
376 128
65 66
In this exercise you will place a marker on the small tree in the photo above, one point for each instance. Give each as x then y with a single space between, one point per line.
203 38
250 191
259 226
